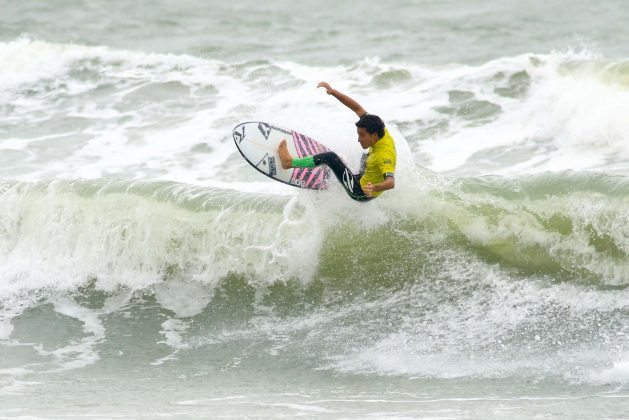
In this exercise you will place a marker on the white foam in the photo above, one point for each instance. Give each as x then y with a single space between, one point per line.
568 119
26 61
300 408
173 330
11 308
617 373
571 121
79 353
17 388
110 148
464 338
123 239
185 299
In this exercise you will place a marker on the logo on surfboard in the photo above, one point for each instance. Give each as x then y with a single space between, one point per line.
298 183
265 129
272 167
267 165
239 135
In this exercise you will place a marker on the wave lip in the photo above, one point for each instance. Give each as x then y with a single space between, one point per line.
568 226
61 234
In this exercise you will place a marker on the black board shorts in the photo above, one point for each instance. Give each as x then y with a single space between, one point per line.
349 181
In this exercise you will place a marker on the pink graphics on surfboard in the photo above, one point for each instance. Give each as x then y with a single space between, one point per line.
258 141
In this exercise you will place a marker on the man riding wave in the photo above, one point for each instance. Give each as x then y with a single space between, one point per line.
377 169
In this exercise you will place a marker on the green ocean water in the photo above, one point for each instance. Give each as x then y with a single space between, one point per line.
146 271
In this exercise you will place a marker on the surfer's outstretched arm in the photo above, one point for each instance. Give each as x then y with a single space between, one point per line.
344 99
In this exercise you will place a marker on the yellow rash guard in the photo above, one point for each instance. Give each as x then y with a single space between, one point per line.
380 162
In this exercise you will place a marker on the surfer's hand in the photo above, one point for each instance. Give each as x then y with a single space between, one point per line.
368 189
326 86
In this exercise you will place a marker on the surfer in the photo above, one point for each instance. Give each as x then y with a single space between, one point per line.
377 167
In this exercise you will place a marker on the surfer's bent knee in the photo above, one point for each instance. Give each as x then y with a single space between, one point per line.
349 181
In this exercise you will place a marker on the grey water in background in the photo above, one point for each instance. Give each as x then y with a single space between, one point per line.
146 271
329 32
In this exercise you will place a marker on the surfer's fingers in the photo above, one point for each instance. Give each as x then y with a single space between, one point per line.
326 86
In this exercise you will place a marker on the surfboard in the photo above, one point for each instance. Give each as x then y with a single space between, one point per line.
258 141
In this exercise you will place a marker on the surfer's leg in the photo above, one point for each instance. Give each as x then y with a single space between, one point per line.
285 158
348 180
289 162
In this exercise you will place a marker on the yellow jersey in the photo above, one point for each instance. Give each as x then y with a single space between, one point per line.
380 162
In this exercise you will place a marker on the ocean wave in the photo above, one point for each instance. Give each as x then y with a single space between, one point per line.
450 278
569 227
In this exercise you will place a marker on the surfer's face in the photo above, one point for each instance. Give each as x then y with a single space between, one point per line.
365 138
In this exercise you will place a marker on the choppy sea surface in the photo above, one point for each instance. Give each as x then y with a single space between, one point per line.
146 271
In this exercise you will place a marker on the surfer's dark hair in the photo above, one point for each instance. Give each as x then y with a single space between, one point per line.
371 123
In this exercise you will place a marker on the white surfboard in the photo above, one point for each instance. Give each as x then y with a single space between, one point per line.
258 141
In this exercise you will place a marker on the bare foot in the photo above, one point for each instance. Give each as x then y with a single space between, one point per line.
285 157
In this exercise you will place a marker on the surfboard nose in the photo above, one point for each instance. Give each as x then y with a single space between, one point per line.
258 142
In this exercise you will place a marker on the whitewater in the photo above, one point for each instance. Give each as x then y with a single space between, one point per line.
146 270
